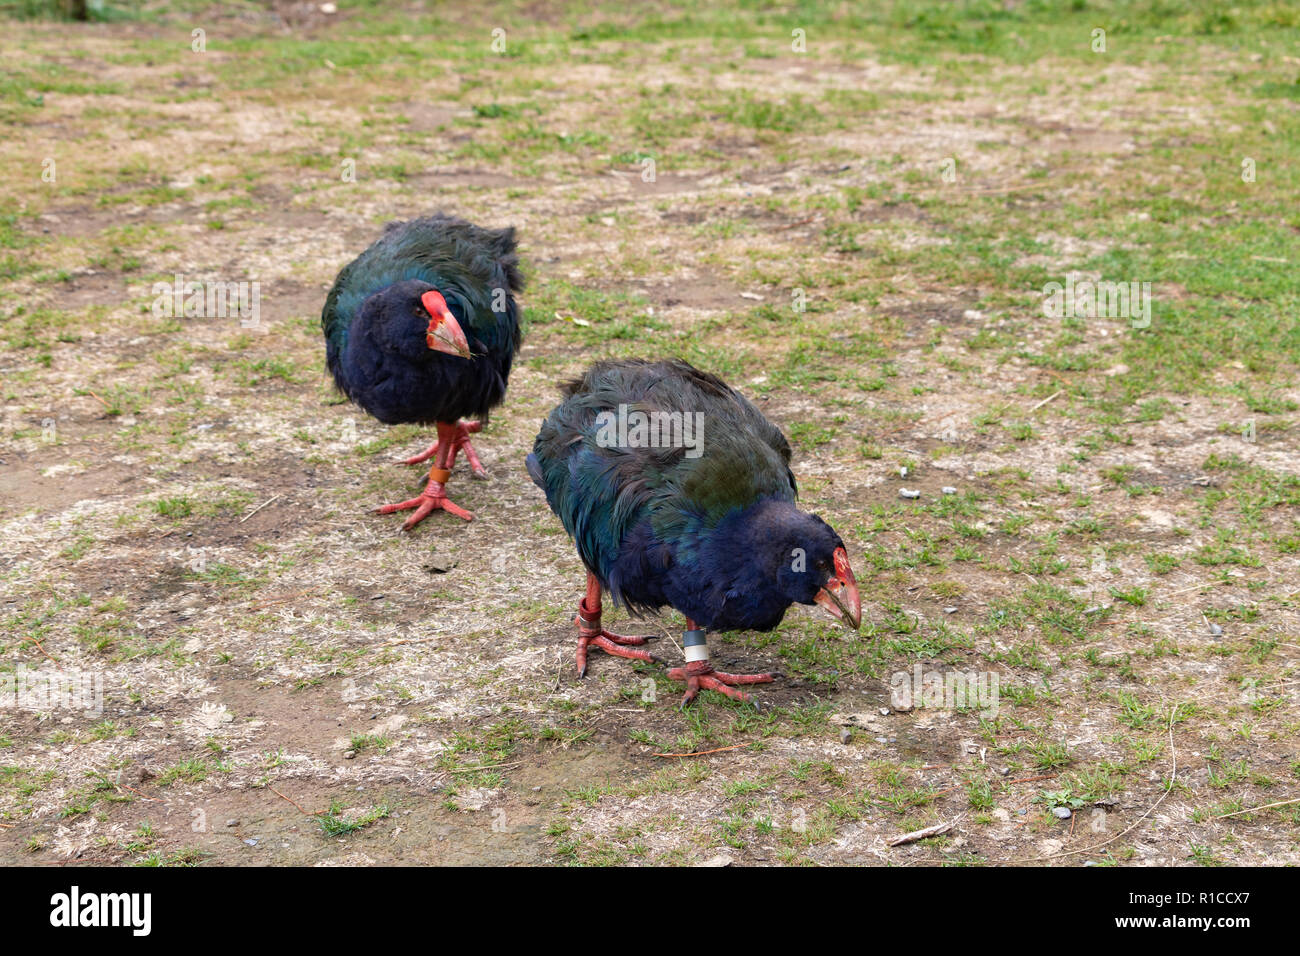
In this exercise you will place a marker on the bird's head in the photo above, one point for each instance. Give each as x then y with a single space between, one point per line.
443 333
413 319
815 569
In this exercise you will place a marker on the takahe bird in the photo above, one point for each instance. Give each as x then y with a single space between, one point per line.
423 327
677 491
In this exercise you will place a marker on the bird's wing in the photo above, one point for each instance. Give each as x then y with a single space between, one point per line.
601 490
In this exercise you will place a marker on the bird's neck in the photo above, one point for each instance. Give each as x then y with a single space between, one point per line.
745 540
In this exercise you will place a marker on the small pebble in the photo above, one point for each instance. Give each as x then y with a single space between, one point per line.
1061 813
250 842
349 754
440 564
845 735
1216 631
950 610
902 472
949 490
908 493
232 823
884 711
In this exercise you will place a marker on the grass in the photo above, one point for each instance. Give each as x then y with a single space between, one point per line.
857 233
336 822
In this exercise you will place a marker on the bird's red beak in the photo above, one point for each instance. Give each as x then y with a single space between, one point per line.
445 333
839 596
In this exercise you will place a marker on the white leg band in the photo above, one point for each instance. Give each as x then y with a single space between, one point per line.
695 646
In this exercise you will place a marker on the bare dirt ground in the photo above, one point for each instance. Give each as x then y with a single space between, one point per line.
288 679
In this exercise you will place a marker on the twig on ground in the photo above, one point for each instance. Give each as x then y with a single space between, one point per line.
41 649
1046 400
143 795
1267 806
921 834
701 753
259 508
294 802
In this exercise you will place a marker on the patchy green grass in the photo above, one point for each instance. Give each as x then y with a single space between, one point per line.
853 214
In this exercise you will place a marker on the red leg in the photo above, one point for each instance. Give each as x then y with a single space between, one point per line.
434 497
475 465
700 675
591 634
459 433
422 456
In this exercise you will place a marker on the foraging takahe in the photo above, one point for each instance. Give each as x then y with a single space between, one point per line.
677 491
423 327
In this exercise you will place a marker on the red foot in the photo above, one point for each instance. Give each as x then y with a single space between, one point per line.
460 440
591 634
425 505
700 675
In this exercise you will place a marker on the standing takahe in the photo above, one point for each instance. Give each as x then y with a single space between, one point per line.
677 491
423 327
